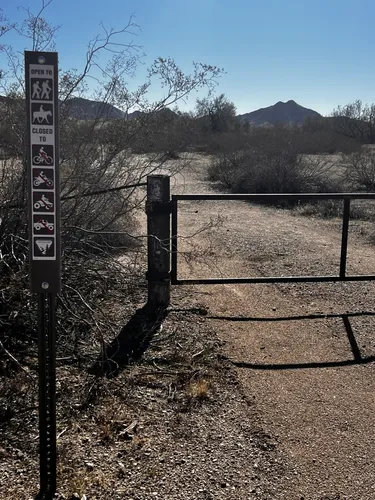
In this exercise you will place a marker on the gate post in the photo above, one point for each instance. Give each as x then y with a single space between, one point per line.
158 209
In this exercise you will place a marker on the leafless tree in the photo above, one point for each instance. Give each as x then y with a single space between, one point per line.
360 169
356 120
96 156
217 113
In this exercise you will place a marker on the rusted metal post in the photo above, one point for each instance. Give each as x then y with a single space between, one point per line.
158 208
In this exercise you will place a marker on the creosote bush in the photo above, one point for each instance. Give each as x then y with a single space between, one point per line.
277 169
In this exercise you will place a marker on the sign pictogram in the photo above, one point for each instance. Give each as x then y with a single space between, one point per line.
44 224
43 178
44 247
41 114
42 154
41 89
43 202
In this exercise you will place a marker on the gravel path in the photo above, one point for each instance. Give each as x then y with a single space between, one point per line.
306 351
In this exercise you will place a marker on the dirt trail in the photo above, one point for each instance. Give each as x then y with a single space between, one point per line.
312 379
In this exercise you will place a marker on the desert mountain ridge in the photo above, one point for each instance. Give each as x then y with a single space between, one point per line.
284 113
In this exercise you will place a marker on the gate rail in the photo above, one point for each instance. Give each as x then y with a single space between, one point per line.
346 197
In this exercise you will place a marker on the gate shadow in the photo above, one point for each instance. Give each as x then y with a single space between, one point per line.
357 359
132 341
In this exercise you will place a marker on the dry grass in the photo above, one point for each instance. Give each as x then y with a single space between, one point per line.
198 389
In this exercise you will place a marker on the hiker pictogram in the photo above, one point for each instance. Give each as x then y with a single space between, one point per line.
44 225
43 202
44 247
42 155
42 178
42 113
42 89
36 90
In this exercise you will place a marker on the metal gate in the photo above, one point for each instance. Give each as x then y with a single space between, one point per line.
342 276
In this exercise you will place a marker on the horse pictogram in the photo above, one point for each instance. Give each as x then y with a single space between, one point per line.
42 116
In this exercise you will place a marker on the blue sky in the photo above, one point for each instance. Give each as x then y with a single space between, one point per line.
319 52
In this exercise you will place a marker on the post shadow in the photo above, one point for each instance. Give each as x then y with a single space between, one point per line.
132 341
356 360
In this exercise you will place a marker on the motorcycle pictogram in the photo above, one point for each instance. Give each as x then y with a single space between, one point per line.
43 202
41 178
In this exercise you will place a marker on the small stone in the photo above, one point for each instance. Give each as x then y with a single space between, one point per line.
89 465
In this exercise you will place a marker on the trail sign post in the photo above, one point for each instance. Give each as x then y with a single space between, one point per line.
41 81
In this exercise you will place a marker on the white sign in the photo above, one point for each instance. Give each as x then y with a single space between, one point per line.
42 143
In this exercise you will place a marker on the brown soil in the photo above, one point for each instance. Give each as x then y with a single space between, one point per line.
304 352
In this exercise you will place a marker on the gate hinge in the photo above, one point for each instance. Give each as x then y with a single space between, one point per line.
158 276
158 207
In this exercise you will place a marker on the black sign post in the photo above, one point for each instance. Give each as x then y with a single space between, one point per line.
41 79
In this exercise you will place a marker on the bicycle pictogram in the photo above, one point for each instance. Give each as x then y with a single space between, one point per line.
42 158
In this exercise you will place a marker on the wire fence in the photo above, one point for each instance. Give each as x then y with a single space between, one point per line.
81 195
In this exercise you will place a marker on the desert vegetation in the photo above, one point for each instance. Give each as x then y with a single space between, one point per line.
97 155
324 155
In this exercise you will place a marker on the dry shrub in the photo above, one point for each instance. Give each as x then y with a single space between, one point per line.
360 169
198 389
277 170
94 229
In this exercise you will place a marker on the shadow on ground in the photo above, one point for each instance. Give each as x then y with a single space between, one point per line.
132 341
357 359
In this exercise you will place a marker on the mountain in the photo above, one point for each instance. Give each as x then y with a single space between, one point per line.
282 112
85 109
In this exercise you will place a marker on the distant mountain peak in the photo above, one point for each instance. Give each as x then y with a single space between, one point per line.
284 113
86 109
